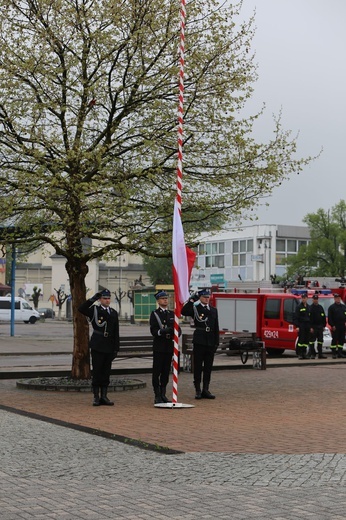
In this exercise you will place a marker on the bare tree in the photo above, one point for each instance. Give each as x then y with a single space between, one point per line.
88 129
61 298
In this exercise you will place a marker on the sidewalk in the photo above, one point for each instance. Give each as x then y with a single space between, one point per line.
280 410
289 408
271 445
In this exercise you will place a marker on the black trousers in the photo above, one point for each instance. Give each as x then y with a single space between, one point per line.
203 359
304 335
338 336
101 364
161 367
317 334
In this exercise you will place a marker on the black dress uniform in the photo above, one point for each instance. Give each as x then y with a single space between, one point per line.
302 321
318 322
336 320
104 344
205 342
161 323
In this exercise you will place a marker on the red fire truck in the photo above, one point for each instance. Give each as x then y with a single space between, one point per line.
269 316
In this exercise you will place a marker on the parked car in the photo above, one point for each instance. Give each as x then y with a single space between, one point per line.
46 312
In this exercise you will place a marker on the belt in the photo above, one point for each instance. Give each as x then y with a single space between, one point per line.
103 334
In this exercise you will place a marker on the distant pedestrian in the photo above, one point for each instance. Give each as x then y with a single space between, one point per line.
318 322
161 323
104 342
301 320
336 321
205 340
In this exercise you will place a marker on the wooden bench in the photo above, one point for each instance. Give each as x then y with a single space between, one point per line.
227 345
135 346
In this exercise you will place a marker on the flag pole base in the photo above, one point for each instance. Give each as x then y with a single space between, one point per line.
173 405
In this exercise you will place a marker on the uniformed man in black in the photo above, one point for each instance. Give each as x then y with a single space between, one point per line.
318 322
336 321
302 322
104 342
205 340
161 323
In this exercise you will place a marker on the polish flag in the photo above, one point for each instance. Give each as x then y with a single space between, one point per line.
183 260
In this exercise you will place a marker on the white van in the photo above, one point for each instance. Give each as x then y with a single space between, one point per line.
23 311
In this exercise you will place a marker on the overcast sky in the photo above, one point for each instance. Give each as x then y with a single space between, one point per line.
300 49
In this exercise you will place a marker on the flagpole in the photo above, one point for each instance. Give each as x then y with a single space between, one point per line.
177 206
179 187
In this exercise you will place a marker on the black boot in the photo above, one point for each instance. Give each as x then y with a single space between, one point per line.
104 399
341 353
96 401
334 353
319 350
303 354
311 351
158 396
206 394
300 353
163 395
198 391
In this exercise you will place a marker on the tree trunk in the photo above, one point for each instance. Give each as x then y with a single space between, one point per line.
81 355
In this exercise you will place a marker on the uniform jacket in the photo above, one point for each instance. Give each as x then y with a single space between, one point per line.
206 324
162 329
337 315
302 315
317 316
105 336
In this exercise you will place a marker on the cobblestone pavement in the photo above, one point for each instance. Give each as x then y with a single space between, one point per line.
52 472
271 446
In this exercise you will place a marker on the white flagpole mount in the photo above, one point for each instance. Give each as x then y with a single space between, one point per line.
173 405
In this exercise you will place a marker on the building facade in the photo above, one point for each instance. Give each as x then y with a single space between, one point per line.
46 270
250 254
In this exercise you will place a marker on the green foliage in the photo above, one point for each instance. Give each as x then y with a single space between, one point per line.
159 270
88 129
325 255
88 98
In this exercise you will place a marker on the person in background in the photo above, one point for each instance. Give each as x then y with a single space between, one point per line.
161 323
302 321
318 322
205 340
336 321
104 342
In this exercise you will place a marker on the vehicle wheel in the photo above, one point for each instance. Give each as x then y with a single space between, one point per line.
275 351
32 319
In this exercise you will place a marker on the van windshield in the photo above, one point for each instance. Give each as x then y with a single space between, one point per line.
26 306
325 302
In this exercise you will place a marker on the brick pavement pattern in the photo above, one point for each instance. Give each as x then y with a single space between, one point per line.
269 447
283 410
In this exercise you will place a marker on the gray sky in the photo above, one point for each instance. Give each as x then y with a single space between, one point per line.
300 49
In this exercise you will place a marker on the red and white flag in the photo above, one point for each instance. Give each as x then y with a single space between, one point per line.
183 260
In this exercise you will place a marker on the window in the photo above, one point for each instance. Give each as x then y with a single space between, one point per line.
214 254
302 243
239 249
281 245
201 249
291 246
280 259
289 309
287 247
272 309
